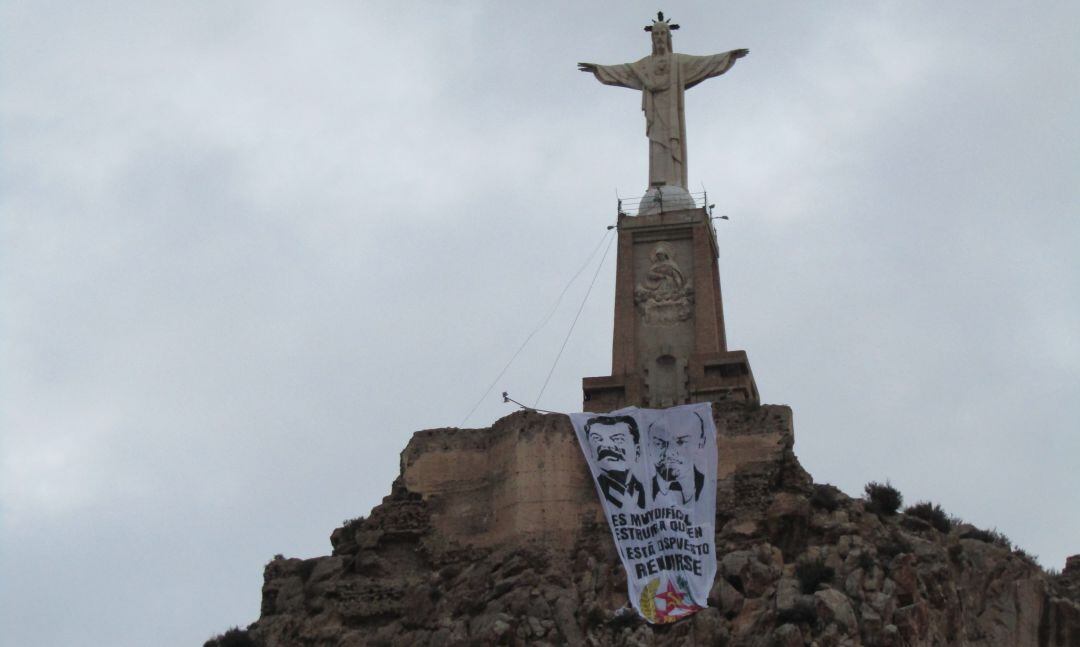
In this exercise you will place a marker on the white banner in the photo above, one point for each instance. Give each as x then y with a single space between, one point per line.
655 472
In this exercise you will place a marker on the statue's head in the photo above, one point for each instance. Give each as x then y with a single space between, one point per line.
661 33
662 253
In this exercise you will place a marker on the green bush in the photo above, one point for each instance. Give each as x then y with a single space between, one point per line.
235 637
1023 554
354 523
824 497
813 573
883 499
988 536
932 514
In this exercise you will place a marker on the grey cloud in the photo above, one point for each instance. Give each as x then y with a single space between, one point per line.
250 248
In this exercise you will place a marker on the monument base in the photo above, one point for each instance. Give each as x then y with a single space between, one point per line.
669 345
660 199
711 377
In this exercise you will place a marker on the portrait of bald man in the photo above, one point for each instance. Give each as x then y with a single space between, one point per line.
674 446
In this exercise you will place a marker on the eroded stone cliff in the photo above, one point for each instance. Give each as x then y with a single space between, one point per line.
494 536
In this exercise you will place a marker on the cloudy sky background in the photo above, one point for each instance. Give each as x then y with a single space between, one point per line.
249 247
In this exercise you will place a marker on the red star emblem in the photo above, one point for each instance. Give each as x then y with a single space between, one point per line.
672 597
675 606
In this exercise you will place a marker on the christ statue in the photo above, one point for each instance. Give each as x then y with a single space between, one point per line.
662 79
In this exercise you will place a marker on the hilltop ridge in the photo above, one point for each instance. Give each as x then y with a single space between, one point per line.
495 537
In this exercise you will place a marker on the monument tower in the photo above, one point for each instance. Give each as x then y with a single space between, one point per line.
669 345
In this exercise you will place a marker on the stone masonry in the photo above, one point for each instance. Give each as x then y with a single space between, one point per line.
669 345
495 537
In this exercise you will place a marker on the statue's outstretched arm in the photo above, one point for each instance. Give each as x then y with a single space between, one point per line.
696 69
620 75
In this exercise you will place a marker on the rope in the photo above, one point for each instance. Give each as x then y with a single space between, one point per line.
574 322
540 325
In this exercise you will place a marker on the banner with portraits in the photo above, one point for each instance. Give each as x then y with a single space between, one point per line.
655 474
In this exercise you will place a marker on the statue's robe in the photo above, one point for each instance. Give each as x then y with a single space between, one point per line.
663 78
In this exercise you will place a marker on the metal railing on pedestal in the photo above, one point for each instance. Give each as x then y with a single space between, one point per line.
633 206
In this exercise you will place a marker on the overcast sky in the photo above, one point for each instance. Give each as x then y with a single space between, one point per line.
248 248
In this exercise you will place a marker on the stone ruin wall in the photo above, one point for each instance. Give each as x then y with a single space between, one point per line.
495 537
525 478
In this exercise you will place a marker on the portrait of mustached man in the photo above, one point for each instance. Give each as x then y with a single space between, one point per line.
673 451
616 445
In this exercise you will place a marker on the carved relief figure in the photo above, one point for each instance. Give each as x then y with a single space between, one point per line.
665 297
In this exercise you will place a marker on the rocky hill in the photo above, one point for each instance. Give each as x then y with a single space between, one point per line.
494 536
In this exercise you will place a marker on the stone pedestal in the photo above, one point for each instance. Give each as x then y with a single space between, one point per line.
669 345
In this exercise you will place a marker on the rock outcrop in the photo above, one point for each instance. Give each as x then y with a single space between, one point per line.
494 536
